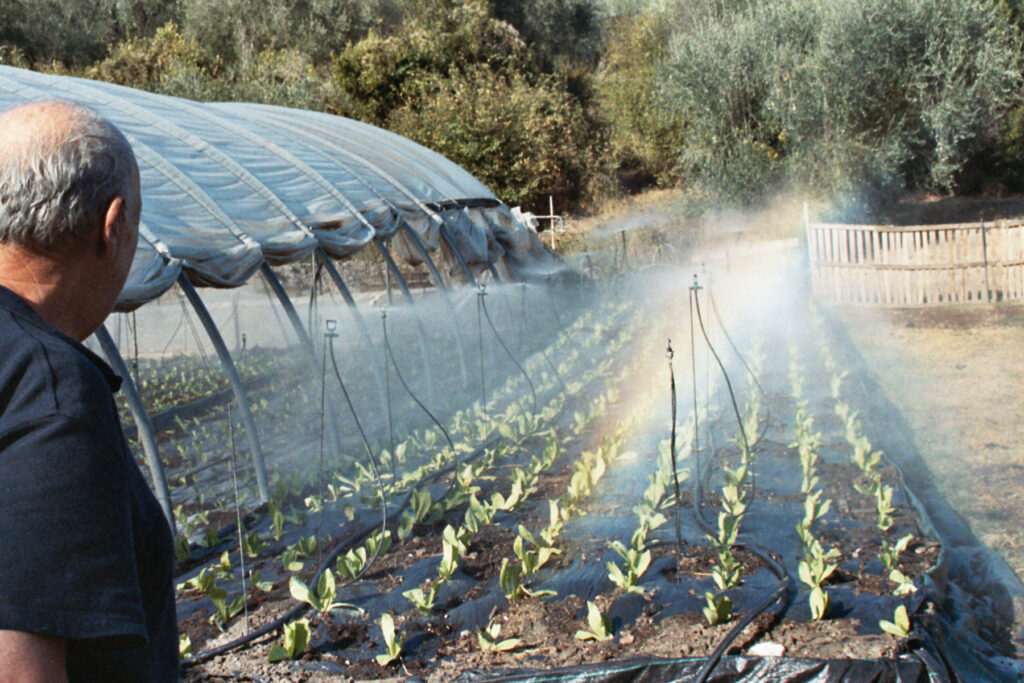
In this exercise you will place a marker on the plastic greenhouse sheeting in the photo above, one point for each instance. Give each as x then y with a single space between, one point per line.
228 186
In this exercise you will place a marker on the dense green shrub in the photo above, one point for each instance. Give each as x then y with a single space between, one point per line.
378 69
645 136
561 35
840 96
525 141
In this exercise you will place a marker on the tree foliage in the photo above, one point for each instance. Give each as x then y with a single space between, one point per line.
732 98
645 135
523 140
842 95
381 71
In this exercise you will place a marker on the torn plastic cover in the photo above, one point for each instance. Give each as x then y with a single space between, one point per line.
469 238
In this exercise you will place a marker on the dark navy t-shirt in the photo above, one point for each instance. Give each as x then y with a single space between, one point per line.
85 551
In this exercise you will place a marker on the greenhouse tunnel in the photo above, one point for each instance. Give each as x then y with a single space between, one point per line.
232 190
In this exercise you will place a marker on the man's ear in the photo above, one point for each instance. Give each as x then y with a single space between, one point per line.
110 235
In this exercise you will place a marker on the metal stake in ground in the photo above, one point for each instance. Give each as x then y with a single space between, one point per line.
387 394
672 446
238 517
480 293
693 376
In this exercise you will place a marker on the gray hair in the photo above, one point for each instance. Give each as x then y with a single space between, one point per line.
55 192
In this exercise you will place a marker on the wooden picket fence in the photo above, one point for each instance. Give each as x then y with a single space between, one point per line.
917 265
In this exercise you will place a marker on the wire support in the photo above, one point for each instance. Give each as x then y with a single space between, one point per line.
480 348
746 366
483 306
369 452
398 374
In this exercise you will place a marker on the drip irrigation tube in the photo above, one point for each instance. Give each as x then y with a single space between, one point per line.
753 377
672 447
501 341
728 384
398 373
369 452
782 591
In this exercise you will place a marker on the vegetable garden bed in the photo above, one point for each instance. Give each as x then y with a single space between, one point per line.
547 537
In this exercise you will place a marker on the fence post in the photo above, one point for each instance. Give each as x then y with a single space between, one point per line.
984 253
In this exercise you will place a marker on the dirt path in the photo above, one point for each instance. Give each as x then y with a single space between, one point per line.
958 376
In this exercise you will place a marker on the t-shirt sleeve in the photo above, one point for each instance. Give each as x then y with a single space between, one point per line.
67 565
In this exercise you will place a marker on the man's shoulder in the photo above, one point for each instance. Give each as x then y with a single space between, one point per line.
46 373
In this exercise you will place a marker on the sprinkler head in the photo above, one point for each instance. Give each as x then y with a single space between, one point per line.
482 291
668 351
383 312
695 286
332 326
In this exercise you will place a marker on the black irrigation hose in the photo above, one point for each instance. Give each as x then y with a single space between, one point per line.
781 592
728 385
777 568
370 454
501 341
398 373
753 377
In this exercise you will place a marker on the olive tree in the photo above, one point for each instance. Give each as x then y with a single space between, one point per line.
840 96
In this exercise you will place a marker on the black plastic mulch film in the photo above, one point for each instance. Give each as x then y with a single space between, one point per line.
975 599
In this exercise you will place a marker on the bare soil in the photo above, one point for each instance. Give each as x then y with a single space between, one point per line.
957 374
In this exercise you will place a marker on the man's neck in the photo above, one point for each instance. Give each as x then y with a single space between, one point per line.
49 285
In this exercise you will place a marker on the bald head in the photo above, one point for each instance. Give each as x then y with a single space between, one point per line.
61 165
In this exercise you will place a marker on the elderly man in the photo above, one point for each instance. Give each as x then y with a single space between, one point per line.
85 554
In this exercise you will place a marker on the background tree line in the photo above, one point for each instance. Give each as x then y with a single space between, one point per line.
733 100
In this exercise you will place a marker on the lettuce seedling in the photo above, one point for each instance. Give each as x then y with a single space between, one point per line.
392 642
225 611
296 638
326 592
600 626
718 609
889 554
488 639
423 602
900 624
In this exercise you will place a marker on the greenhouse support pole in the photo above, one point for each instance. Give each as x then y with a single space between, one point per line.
458 255
142 422
393 267
236 385
494 271
421 248
417 242
289 309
